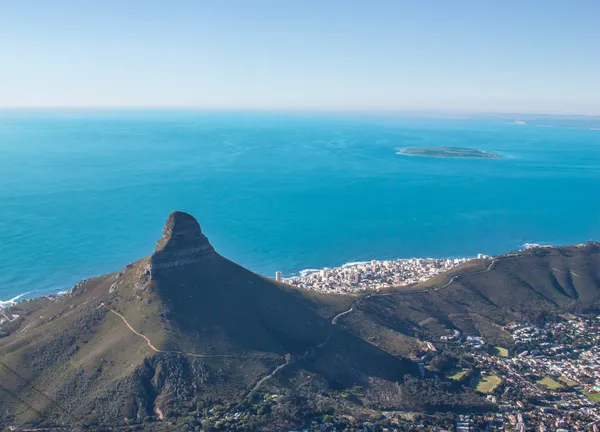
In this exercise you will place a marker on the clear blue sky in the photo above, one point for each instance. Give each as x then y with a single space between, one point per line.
504 55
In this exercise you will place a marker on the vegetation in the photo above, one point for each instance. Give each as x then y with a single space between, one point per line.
502 352
549 383
479 297
568 382
196 333
487 384
458 375
594 397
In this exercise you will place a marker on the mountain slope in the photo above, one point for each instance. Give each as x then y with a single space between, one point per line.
182 328
187 334
484 295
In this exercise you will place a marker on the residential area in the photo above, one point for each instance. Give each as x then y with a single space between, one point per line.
374 275
549 380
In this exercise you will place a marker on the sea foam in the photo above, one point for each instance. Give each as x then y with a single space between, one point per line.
12 301
535 245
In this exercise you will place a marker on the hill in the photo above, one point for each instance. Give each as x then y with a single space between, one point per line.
170 334
482 296
188 339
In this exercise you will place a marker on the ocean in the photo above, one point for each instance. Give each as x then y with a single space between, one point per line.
83 193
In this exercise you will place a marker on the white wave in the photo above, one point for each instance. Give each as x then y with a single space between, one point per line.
596 129
354 263
12 301
309 271
535 245
516 122
306 272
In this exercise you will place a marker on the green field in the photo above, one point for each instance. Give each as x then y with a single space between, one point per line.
487 384
568 382
594 397
458 375
549 383
502 352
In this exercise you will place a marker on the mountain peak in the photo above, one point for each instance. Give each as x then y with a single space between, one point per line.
182 243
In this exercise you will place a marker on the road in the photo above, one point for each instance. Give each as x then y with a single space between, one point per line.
453 278
338 316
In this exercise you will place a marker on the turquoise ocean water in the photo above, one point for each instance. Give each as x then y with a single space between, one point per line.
83 193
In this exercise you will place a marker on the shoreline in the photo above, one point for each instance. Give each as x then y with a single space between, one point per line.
8 303
301 274
374 275
309 270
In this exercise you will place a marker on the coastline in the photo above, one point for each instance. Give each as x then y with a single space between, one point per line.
300 275
8 303
308 272
374 275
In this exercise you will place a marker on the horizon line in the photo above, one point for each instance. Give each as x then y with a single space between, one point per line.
299 110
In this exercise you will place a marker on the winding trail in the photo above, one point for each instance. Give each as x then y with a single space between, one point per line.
267 377
338 316
453 278
450 281
289 358
565 272
153 348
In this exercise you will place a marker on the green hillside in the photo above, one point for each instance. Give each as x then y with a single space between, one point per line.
186 335
182 329
480 299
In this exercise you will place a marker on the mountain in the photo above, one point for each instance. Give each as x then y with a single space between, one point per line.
185 339
171 334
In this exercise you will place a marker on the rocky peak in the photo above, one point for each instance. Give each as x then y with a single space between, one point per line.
181 244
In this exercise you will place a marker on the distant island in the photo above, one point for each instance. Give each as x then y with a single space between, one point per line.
447 152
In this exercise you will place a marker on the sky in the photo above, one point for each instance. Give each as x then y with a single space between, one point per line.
539 56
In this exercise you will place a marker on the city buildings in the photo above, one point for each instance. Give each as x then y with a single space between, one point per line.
374 275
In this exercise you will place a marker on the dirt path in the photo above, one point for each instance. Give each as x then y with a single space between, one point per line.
565 272
267 377
153 348
334 321
453 278
338 316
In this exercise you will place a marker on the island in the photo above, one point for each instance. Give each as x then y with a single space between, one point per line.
447 152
